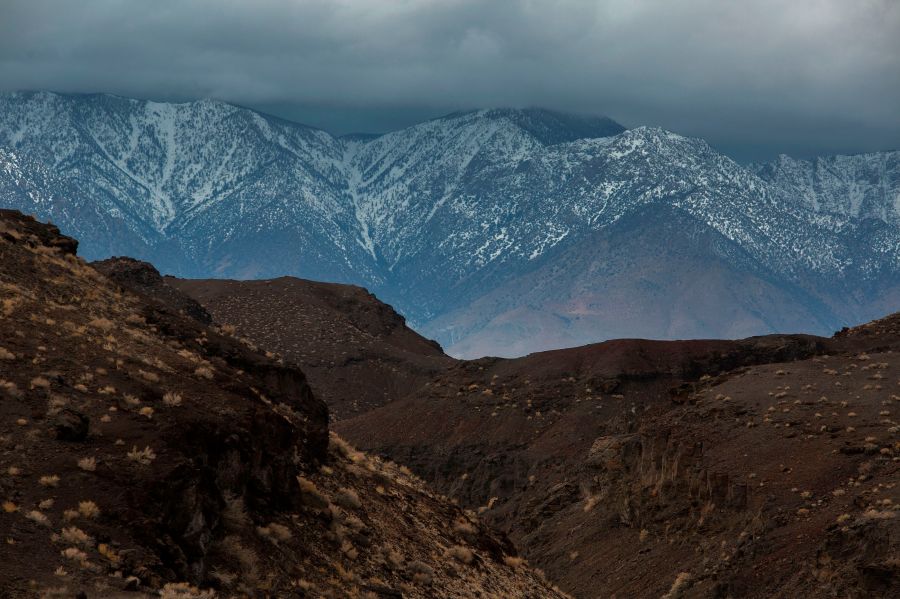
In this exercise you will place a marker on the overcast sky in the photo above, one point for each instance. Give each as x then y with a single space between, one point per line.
754 77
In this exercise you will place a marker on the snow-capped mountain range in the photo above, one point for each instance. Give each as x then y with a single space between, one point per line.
495 231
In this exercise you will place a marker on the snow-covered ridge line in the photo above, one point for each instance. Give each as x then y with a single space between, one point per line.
431 215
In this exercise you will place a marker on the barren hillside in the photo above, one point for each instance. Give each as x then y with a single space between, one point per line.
143 453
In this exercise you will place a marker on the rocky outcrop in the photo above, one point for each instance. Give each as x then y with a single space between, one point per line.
141 277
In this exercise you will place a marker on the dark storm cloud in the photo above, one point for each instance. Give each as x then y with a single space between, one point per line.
801 75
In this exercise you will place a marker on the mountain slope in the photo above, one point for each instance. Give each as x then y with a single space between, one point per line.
451 219
356 351
861 185
761 467
144 454
755 468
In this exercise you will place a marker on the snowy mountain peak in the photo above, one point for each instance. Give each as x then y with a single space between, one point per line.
460 220
547 126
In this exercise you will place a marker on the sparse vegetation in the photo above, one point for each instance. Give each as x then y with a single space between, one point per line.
40 518
171 399
142 456
461 554
88 509
204 372
49 480
347 498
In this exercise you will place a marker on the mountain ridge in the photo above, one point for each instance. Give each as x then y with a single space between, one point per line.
435 216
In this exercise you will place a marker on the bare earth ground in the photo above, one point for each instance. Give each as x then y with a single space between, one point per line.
766 467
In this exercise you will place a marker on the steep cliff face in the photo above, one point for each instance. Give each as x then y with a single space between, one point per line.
143 452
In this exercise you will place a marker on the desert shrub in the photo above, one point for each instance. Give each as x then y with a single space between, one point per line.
422 573
88 509
172 399
679 586
143 456
88 464
310 494
461 554
275 532
347 498
183 590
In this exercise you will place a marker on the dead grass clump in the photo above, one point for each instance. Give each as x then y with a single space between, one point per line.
50 480
348 498
40 518
5 354
275 532
142 456
513 561
75 554
393 559
341 448
88 509
461 554
88 464
75 536
10 389
102 324
464 528
421 572
172 399
681 584
150 377
39 382
183 590
349 550
244 557
204 372
311 495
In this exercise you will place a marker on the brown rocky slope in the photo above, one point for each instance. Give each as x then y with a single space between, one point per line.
143 453
357 351
766 467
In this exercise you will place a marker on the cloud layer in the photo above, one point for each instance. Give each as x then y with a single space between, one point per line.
807 75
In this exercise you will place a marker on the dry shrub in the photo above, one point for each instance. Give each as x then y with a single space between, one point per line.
275 532
347 498
142 456
244 557
422 572
88 509
681 584
75 536
461 554
310 494
183 590
172 399
88 464
204 372
102 324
